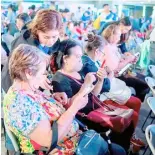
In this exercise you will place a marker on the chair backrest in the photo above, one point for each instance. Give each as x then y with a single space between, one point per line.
151 103
152 70
150 137
12 138
151 83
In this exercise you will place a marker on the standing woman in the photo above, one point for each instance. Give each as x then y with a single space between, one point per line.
125 27
42 32
11 16
21 22
11 19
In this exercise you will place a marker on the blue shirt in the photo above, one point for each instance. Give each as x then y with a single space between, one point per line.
45 49
90 66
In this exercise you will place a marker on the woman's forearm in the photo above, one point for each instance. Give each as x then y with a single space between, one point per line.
98 87
64 122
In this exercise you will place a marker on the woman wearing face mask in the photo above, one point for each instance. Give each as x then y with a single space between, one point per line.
21 22
43 33
116 61
125 27
93 58
36 118
68 64
92 62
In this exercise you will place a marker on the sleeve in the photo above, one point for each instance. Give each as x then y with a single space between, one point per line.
111 60
9 17
87 68
62 86
25 114
123 48
106 85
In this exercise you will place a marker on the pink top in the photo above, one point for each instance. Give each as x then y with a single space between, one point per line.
112 57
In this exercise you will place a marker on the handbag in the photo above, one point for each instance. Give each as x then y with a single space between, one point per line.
91 143
89 137
117 119
119 92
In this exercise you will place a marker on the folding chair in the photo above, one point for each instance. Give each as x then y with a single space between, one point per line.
152 70
151 103
150 137
151 83
13 139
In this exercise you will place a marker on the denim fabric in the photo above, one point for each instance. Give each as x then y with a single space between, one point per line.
91 143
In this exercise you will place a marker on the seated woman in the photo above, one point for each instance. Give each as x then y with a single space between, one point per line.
93 58
33 117
92 62
116 61
68 62
125 27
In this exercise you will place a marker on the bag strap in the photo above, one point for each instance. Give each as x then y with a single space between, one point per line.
97 101
94 98
54 137
81 124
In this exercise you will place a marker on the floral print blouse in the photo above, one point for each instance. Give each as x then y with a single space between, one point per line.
24 110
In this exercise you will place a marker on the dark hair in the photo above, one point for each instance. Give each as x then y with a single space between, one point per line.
125 21
32 7
24 17
80 22
64 50
12 7
66 10
105 5
94 42
70 22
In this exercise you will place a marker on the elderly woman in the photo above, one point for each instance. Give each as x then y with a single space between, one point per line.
36 119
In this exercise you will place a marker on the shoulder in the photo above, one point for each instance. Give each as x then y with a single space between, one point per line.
88 66
86 59
59 77
21 39
24 108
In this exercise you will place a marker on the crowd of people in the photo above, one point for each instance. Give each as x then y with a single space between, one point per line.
75 57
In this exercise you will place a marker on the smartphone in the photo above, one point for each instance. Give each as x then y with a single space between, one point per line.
124 69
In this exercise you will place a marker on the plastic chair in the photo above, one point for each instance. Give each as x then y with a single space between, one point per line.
152 70
151 83
150 137
151 103
15 143
13 139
